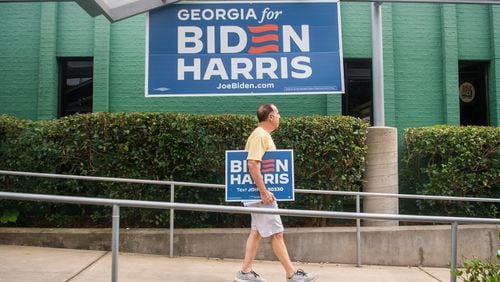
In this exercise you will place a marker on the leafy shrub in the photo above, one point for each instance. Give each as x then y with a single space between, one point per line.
10 129
454 161
476 270
329 154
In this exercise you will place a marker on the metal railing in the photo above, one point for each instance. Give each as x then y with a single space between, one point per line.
230 209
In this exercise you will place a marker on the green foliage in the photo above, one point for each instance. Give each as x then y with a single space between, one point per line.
454 161
10 129
476 270
9 216
329 154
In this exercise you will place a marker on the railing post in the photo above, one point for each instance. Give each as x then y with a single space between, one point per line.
454 231
171 231
115 243
358 232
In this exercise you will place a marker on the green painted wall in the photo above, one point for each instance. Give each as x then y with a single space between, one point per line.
449 39
356 29
47 63
494 82
417 59
422 46
474 32
19 52
75 31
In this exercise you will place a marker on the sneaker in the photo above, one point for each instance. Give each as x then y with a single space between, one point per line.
301 276
248 276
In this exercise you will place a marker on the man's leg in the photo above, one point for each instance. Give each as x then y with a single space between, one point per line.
279 248
252 246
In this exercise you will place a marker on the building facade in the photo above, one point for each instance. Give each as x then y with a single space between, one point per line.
441 66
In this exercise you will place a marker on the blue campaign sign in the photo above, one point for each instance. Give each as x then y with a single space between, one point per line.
223 48
276 169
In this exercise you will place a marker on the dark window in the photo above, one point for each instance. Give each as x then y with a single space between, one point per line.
76 86
472 93
357 100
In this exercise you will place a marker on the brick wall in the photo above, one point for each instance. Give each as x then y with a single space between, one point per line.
75 31
19 51
422 46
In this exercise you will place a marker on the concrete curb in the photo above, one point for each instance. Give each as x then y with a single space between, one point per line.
395 246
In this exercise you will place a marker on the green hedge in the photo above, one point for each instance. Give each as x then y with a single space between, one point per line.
454 161
10 129
329 154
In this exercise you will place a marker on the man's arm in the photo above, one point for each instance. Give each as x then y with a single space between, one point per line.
254 169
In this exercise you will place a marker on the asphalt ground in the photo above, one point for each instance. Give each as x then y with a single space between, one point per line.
24 263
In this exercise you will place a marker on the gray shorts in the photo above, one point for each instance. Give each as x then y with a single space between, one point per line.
266 224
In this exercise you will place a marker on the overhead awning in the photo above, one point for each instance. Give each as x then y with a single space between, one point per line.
116 10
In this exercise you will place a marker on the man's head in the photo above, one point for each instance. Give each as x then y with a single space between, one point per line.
268 113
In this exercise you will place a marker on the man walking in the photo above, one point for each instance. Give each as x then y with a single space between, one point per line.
265 225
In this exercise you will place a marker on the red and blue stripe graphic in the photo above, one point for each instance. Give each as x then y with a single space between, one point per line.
268 166
264 39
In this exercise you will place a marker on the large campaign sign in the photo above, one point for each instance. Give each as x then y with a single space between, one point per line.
206 48
277 173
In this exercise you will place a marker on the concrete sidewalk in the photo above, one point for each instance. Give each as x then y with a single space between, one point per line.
21 263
